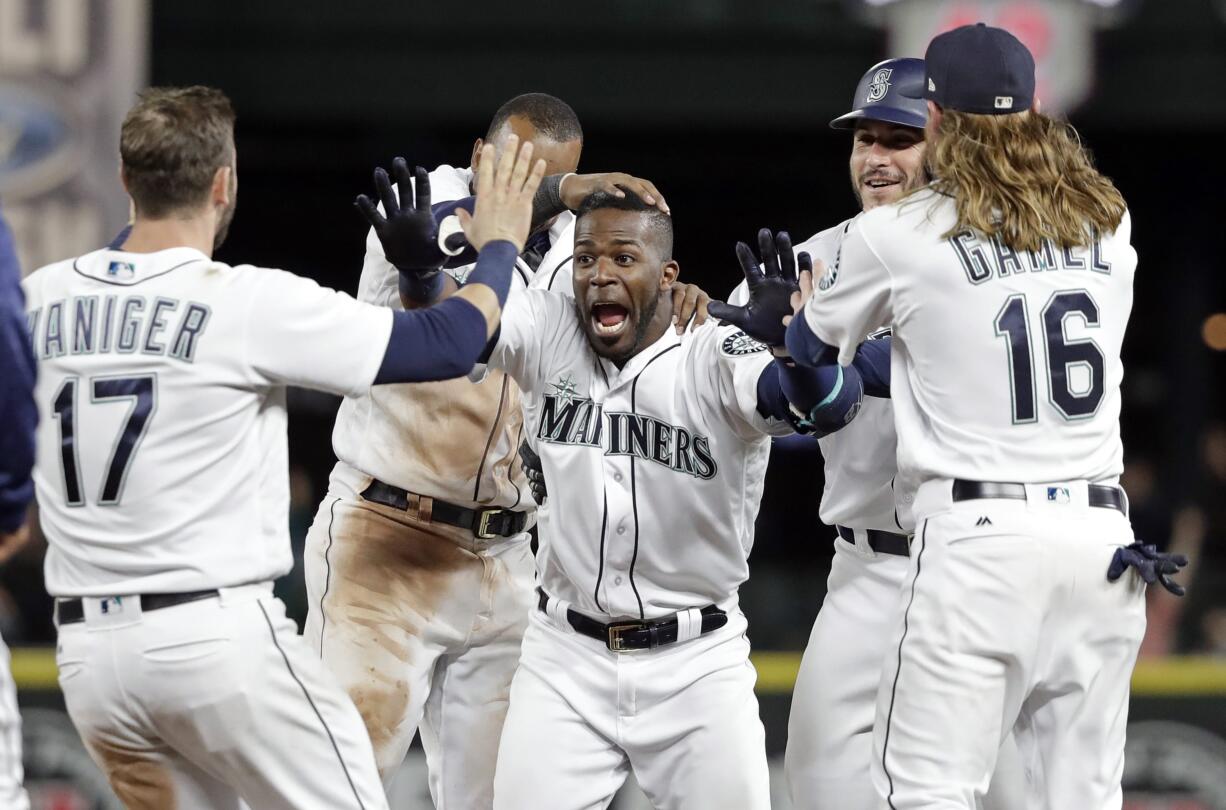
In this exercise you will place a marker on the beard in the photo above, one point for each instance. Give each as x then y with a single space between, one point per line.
641 327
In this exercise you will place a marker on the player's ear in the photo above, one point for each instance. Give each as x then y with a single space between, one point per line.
222 186
669 273
122 177
476 157
934 118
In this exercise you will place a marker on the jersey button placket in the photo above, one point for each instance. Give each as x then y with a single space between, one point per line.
619 546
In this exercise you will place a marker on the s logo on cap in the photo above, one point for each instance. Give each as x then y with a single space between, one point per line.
879 86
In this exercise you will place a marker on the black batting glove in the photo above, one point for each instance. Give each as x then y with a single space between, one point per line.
534 473
1151 564
406 229
770 288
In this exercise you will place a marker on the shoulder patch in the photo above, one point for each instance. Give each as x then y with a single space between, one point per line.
739 343
828 278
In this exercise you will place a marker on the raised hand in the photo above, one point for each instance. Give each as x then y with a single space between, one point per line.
506 184
406 228
771 287
1151 565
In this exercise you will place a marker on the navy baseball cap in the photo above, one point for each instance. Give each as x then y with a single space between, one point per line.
979 69
891 91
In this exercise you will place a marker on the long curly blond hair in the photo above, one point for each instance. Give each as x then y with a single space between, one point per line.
1022 178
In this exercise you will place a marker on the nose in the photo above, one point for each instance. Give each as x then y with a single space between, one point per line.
605 272
879 155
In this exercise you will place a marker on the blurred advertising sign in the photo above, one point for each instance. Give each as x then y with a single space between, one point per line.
1057 32
69 70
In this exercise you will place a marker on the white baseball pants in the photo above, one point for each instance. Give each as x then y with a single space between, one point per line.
421 624
210 703
12 795
834 703
1008 621
683 717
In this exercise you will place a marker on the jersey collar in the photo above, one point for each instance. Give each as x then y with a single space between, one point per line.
124 269
627 373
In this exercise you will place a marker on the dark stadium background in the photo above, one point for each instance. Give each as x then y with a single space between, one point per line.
724 104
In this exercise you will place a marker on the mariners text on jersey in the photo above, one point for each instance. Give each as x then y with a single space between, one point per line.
569 419
91 324
994 259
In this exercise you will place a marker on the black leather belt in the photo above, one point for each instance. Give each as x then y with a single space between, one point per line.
1099 495
879 541
483 523
634 635
71 611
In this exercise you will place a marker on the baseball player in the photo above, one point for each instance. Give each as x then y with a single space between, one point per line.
419 569
19 417
829 748
1008 284
161 470
636 657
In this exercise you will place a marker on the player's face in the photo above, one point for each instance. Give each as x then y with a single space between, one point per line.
887 161
561 157
619 279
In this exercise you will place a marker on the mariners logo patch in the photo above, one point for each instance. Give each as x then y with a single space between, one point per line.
739 343
828 278
879 86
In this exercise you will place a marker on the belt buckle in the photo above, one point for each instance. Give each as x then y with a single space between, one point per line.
615 642
482 531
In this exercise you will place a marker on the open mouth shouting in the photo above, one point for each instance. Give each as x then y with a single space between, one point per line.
609 319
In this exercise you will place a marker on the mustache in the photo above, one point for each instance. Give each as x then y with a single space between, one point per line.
893 177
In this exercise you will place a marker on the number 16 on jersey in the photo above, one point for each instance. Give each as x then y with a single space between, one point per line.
1074 368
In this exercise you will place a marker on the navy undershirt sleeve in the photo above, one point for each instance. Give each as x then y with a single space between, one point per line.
18 413
829 396
806 348
446 340
872 361
841 393
441 342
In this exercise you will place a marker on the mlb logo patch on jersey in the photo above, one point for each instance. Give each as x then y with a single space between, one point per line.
739 343
124 271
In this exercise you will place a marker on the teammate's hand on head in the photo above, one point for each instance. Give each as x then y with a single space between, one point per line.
771 287
1150 564
578 187
11 542
506 184
406 228
690 304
